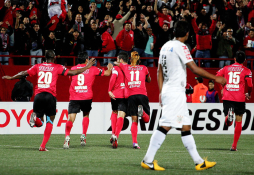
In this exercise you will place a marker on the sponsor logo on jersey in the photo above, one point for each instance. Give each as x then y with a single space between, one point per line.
43 85
43 68
80 87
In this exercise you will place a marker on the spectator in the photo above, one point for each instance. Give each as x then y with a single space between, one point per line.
50 42
21 45
199 93
149 13
163 17
5 45
204 12
36 43
225 42
107 9
125 39
108 48
211 94
6 14
188 91
93 35
248 44
104 23
119 21
203 38
72 46
79 25
150 46
33 13
163 34
230 13
22 91
140 37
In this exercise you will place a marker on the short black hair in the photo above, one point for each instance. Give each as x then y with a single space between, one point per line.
181 28
200 79
82 57
240 57
211 81
50 54
124 56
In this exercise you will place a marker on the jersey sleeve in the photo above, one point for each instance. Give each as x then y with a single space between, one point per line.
115 71
184 53
63 70
32 71
220 72
98 71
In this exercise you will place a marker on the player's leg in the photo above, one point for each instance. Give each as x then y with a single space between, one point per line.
190 145
228 110
36 118
113 118
237 132
47 132
68 127
156 141
50 111
144 108
85 124
134 131
119 126
239 111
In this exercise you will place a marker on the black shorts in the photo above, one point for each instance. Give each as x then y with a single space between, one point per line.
44 103
119 104
239 107
134 101
76 105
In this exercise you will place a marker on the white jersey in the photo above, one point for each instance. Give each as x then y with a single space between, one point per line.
174 56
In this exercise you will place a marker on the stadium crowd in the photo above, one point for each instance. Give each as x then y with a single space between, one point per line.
106 27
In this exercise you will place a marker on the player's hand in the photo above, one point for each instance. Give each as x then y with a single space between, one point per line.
91 62
7 77
111 95
221 80
248 97
110 66
160 100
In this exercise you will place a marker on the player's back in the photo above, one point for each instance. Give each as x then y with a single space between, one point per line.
173 58
119 86
47 75
236 75
81 84
135 78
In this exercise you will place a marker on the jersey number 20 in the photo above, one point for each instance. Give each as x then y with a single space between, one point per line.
47 77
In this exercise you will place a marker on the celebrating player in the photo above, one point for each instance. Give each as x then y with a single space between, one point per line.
135 78
119 104
174 56
45 91
233 93
81 95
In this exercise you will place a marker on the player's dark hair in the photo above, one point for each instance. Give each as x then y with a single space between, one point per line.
240 57
124 56
82 57
50 54
181 28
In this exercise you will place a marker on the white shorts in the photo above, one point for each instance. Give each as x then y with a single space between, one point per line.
175 112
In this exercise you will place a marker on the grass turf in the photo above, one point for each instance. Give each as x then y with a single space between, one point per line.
19 155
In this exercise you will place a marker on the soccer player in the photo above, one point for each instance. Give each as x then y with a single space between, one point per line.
81 95
174 57
116 91
45 91
233 93
138 106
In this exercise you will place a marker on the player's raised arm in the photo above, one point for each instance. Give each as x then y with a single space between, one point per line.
17 76
78 71
203 73
108 72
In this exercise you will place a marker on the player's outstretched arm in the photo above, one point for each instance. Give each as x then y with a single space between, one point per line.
160 80
78 71
203 73
108 72
17 76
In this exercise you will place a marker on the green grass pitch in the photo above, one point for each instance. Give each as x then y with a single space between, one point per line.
19 155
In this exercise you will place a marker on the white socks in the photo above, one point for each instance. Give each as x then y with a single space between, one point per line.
157 139
189 143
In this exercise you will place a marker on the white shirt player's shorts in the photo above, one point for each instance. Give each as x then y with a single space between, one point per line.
175 112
